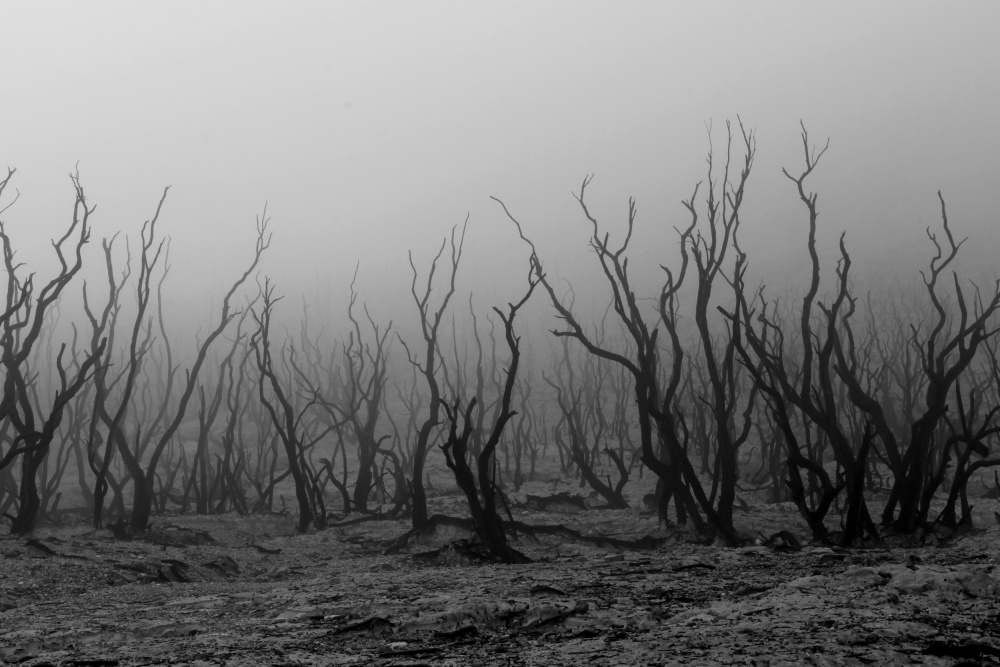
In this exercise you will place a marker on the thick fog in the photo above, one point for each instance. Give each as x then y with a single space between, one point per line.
370 129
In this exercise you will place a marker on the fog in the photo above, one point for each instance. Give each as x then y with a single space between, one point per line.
370 129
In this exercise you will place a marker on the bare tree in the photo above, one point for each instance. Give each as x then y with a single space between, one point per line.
810 385
430 322
366 374
656 399
131 447
287 420
483 498
20 326
947 350
103 326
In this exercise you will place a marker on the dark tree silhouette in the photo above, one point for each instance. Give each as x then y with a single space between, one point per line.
21 324
430 322
484 497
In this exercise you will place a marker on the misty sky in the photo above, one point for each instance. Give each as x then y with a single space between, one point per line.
371 128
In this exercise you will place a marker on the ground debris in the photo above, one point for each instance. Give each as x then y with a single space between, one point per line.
266 550
372 624
558 502
170 535
970 650
321 601
37 549
224 564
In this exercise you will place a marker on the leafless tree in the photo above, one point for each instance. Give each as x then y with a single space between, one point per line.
484 497
287 420
21 324
428 364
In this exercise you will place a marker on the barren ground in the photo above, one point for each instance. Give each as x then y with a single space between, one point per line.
249 591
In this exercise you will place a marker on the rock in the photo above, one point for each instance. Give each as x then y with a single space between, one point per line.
393 647
693 564
758 550
862 577
225 565
545 589
921 580
162 629
302 613
981 585
809 583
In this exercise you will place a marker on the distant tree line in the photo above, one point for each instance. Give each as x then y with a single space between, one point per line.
871 417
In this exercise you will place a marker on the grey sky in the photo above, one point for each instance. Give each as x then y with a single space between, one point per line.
373 127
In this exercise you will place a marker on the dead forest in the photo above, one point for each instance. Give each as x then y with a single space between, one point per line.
876 414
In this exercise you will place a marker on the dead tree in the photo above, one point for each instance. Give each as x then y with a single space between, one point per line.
321 375
365 375
72 436
581 429
103 326
709 252
966 439
232 465
476 443
113 419
141 452
655 400
353 395
20 326
641 364
810 385
484 498
430 322
946 352
522 442
287 420
206 478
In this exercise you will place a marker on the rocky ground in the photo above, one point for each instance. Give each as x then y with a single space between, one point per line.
249 591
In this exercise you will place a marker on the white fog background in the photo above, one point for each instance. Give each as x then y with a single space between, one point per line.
371 128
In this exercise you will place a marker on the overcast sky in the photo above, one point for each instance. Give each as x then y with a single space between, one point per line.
370 128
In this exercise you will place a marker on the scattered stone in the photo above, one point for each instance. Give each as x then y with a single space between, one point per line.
782 541
862 577
266 550
224 564
302 613
162 629
372 624
809 583
982 585
757 550
546 589
693 564
925 579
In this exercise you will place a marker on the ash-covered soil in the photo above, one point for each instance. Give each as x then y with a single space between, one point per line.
231 590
